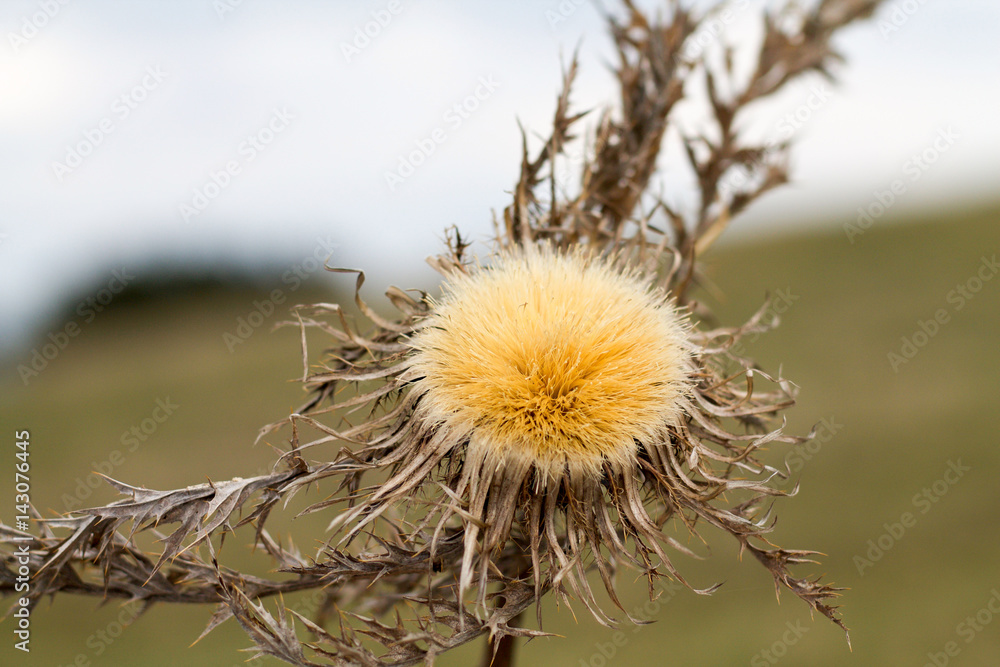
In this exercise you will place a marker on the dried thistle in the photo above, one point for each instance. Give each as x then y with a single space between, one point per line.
550 414
531 387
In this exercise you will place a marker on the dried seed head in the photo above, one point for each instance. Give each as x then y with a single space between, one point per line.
553 361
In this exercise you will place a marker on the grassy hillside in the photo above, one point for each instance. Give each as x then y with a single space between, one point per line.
918 441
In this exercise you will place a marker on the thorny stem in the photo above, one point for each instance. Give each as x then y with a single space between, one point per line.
502 653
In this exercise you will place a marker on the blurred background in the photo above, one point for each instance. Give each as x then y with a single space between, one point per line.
176 174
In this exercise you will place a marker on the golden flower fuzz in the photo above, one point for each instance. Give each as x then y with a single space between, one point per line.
553 360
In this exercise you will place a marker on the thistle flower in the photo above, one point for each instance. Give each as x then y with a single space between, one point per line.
557 400
546 376
553 362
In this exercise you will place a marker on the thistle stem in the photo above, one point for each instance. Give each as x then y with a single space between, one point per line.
501 655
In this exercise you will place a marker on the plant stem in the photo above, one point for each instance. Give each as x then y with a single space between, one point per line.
504 650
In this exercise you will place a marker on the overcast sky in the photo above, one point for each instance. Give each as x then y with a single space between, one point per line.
252 132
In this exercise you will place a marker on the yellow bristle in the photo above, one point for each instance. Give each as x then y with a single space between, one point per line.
560 358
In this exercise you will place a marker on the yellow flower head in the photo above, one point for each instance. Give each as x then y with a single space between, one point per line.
553 360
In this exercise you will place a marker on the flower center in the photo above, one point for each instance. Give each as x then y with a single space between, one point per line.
560 359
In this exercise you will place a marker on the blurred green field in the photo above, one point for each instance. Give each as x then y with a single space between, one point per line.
895 433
